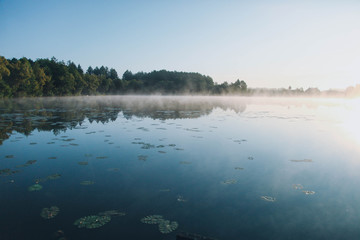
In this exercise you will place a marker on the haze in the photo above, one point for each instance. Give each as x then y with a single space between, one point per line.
266 43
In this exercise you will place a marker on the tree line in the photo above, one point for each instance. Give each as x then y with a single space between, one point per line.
50 77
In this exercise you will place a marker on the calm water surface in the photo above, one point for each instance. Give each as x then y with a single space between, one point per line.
228 168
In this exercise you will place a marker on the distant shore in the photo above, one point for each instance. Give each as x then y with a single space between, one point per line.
49 77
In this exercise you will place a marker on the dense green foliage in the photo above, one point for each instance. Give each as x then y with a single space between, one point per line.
50 77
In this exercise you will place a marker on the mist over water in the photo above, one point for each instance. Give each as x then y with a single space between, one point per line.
224 167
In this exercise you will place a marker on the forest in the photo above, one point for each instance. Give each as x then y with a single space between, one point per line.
49 77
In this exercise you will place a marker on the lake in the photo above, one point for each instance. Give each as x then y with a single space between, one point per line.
137 167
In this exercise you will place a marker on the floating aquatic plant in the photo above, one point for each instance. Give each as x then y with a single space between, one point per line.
112 213
35 187
28 163
269 199
87 182
302 160
184 162
93 221
53 176
142 157
147 146
307 192
83 163
297 186
230 181
48 213
113 169
166 226
90 132
7 171
152 219
181 199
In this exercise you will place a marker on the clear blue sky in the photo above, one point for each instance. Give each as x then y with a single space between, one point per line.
266 43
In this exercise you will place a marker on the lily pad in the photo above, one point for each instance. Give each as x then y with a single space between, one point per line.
142 157
152 219
307 192
166 226
54 176
48 213
297 186
184 162
269 199
230 181
87 182
93 221
302 160
35 187
112 213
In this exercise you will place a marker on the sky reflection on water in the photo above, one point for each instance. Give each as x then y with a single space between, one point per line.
204 162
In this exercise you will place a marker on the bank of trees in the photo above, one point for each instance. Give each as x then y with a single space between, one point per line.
50 77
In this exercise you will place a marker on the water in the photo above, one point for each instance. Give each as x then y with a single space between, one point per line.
204 162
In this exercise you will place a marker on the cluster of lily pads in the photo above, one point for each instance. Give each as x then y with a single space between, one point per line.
93 221
38 187
35 187
49 213
28 163
8 172
96 221
165 226
145 145
50 177
306 192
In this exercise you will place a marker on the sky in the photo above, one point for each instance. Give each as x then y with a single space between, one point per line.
270 43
